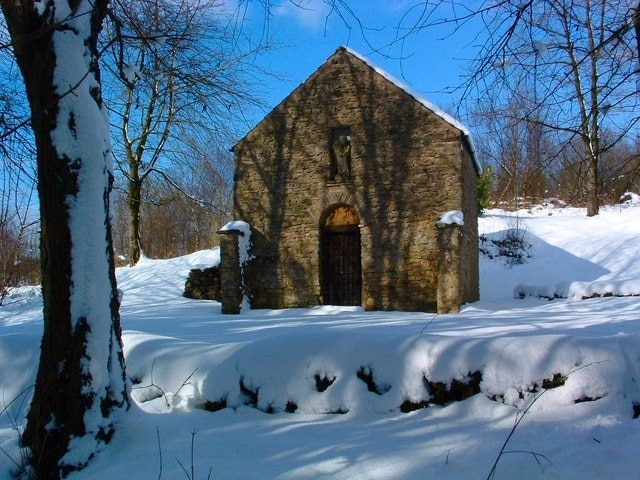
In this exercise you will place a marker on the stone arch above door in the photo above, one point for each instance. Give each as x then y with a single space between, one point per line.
341 215
329 200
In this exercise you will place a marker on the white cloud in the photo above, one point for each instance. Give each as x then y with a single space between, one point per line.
310 13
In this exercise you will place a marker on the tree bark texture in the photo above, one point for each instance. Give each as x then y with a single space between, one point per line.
81 381
134 201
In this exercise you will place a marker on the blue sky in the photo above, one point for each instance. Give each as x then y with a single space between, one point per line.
432 62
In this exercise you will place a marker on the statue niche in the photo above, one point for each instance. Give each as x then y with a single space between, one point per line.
341 148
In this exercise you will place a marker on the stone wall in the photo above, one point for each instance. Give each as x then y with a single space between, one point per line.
408 167
203 284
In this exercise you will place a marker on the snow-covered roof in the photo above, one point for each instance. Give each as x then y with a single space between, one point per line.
419 98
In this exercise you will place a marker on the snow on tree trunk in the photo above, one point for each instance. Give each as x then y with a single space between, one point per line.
81 383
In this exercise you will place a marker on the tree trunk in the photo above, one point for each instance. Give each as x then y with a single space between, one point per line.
592 181
134 200
81 381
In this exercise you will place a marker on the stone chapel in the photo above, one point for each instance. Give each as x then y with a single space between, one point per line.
347 186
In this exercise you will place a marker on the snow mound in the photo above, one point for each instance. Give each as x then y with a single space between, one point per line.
319 373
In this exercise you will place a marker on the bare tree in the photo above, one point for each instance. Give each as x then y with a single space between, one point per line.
17 226
520 149
180 222
81 383
181 77
582 57
18 223
621 171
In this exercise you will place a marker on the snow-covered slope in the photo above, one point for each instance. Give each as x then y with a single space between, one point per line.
324 392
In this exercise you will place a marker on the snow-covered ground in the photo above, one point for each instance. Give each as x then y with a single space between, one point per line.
333 392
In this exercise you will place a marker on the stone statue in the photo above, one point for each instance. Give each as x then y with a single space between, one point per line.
342 150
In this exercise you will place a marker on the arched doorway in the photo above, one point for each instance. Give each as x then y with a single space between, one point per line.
340 260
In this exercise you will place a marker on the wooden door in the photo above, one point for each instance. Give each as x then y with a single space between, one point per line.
342 276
